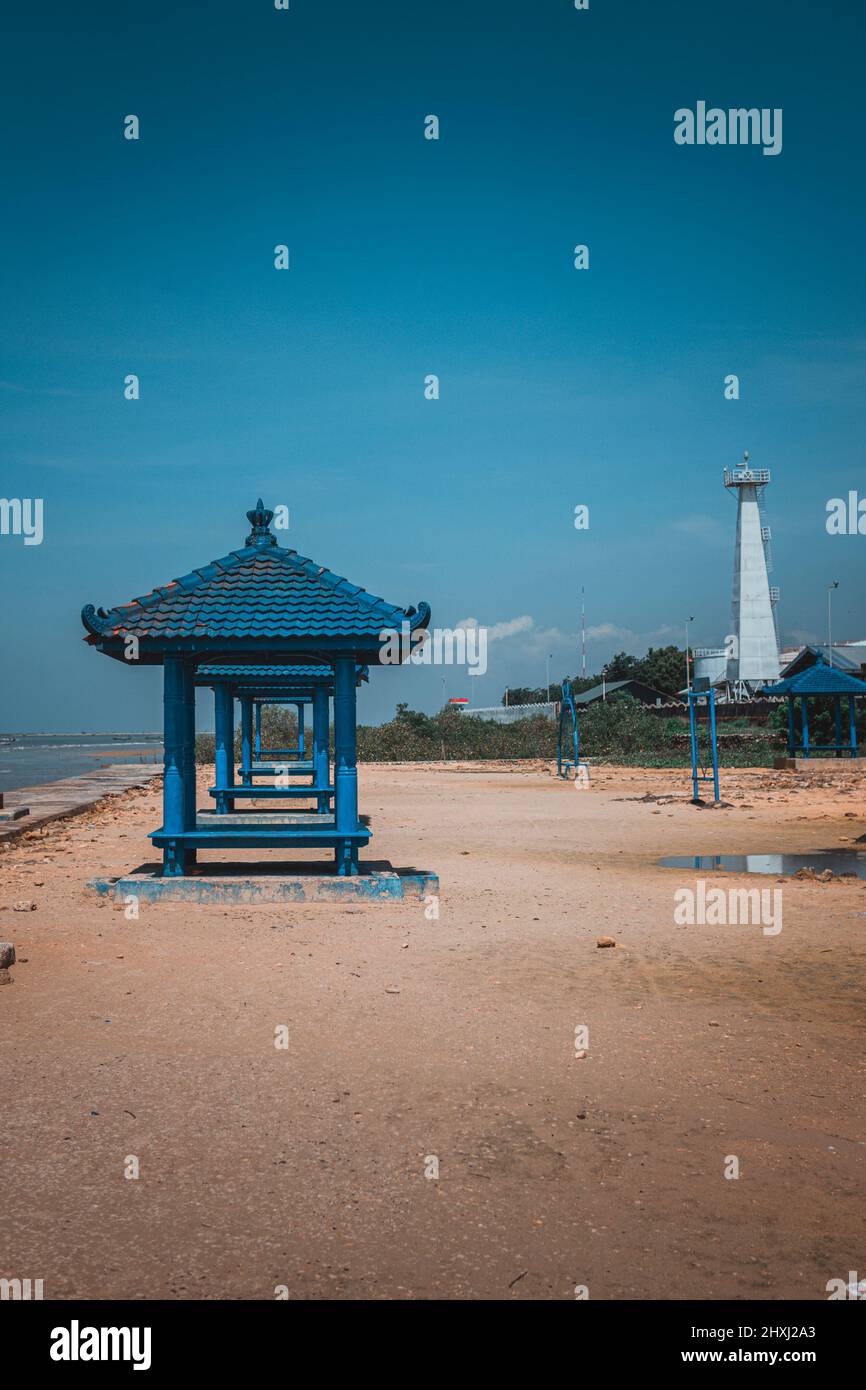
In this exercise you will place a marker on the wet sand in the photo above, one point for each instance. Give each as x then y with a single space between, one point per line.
411 1040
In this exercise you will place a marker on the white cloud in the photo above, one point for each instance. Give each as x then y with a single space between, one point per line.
500 630
701 527
607 632
603 631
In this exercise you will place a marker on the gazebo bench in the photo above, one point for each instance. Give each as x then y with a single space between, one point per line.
275 769
269 792
345 843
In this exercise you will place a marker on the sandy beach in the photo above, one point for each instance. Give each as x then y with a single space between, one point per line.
412 1039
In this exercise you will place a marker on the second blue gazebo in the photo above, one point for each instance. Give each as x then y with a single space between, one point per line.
820 679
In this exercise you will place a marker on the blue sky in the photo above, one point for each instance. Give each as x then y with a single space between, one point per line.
410 257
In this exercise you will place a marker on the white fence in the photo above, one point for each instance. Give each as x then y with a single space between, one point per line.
509 714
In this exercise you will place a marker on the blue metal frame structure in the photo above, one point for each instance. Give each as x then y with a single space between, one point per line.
565 765
696 698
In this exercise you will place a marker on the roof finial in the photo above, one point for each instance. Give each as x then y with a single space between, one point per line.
745 460
260 520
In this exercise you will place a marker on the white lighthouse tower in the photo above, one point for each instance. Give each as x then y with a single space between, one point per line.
753 654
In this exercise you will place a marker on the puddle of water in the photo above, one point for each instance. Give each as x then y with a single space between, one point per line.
841 861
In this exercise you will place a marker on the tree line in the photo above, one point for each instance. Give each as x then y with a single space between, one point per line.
663 668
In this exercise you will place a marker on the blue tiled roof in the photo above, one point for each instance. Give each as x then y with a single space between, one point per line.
819 679
251 672
261 591
272 675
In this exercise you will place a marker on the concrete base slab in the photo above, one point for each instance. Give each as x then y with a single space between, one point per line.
819 767
14 812
383 885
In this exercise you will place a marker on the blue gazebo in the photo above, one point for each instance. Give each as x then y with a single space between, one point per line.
817 680
259 606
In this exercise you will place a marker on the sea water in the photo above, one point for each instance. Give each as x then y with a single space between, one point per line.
29 760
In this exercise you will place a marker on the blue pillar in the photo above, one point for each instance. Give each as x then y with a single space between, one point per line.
321 761
792 731
301 708
345 766
853 726
246 741
258 730
224 756
189 753
838 709
805 705
174 776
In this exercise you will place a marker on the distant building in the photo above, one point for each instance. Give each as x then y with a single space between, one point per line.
644 694
710 663
846 656
509 714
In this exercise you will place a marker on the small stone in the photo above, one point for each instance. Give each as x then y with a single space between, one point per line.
24 905
392 989
579 1056
606 941
6 978
7 954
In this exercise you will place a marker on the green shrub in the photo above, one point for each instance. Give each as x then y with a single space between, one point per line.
618 731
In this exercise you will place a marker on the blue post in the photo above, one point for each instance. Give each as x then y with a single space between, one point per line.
694 738
792 731
714 743
246 740
694 732
301 708
345 768
853 726
189 753
838 709
258 730
321 762
805 704
173 783
224 756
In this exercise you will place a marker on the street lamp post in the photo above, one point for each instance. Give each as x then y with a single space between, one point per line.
830 588
690 619
548 677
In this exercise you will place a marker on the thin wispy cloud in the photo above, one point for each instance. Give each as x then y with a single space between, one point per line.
702 527
498 631
17 389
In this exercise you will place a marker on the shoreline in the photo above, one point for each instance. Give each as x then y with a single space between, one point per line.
71 796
